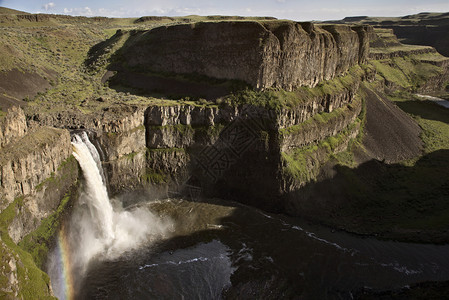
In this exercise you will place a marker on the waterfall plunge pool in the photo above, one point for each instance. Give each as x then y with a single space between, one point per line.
178 249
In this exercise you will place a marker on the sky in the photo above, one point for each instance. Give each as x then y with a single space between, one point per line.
300 10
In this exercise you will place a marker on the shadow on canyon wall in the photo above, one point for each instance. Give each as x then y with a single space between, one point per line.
142 81
389 200
171 87
268 254
433 111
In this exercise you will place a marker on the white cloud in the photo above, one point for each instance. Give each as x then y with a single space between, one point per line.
306 10
79 11
88 11
48 6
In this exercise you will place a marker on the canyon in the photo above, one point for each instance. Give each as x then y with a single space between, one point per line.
295 111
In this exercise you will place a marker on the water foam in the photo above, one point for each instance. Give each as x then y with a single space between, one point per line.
97 229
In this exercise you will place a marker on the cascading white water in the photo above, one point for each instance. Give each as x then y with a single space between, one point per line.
97 228
98 202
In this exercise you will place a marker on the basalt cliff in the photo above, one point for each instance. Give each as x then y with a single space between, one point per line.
278 54
425 28
289 117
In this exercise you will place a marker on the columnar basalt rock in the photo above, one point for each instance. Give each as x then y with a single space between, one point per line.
113 119
29 161
279 54
13 126
36 172
312 132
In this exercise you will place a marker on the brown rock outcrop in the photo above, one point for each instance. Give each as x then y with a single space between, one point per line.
29 161
13 126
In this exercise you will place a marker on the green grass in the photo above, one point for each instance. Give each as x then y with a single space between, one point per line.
8 214
30 142
31 280
9 11
321 119
405 72
432 118
436 57
420 18
392 74
39 241
400 200
276 99
131 155
399 48
154 178
210 131
303 163
57 49
390 199
32 250
297 164
49 180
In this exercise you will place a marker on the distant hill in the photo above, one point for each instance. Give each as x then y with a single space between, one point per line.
430 29
424 18
9 11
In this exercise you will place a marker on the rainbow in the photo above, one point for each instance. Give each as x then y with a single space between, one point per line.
65 284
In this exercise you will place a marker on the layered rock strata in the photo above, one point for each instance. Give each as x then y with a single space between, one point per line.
13 126
278 54
36 171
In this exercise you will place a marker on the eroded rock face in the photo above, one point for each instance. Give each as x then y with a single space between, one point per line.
36 171
312 132
126 172
31 160
280 54
13 126
11 287
113 119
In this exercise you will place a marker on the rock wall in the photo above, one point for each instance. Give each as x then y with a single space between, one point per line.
280 54
324 103
29 161
162 150
431 35
126 172
36 169
42 202
399 53
318 129
13 126
113 119
226 151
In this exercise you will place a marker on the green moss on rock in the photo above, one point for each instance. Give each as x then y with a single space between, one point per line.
154 178
32 281
303 163
406 72
39 241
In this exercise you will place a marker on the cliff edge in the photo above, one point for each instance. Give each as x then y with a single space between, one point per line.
265 54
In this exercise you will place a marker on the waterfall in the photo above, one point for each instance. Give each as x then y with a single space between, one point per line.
99 229
99 205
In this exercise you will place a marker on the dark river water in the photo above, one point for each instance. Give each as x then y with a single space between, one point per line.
218 248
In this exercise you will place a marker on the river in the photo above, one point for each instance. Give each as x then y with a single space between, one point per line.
212 248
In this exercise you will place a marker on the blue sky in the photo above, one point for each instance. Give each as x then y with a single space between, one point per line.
300 10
